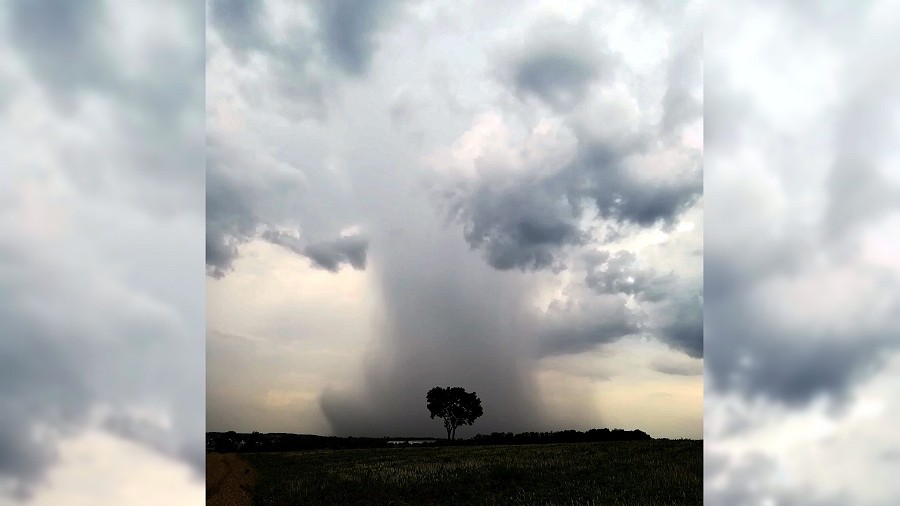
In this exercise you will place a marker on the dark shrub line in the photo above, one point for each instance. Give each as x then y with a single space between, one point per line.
224 442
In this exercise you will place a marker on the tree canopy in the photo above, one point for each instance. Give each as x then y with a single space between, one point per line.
455 406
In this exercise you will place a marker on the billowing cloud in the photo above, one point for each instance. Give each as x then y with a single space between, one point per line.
561 195
286 60
240 208
478 166
349 30
619 272
328 255
573 330
679 322
521 229
558 64
599 165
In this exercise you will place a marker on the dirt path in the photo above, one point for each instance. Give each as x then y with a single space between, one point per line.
227 478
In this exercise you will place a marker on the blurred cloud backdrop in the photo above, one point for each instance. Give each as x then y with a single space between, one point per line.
802 258
101 252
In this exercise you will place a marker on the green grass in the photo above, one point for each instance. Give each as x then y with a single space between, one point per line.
608 473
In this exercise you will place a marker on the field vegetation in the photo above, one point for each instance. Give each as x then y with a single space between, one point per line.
655 472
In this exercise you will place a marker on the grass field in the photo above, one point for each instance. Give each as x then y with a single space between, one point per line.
608 473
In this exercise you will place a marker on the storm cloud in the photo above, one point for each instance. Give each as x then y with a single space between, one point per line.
619 272
520 229
472 229
328 255
558 65
527 222
612 172
350 28
250 189
538 200
573 330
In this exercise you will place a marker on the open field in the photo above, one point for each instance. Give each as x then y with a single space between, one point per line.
659 472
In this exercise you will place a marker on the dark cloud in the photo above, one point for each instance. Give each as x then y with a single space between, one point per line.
230 219
300 65
251 196
559 78
296 73
619 192
558 64
682 327
328 255
611 187
349 28
525 224
588 324
247 193
242 206
674 318
521 228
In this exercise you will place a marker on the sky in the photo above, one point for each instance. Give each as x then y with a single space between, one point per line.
101 258
501 196
411 194
802 257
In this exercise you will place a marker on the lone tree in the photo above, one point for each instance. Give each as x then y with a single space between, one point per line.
455 405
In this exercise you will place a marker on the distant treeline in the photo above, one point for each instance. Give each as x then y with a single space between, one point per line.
563 436
224 442
282 442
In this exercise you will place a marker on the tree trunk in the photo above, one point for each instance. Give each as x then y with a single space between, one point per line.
454 433
448 433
